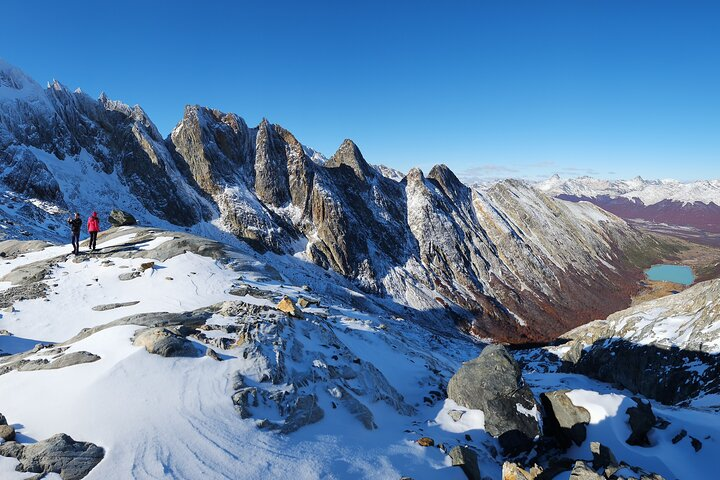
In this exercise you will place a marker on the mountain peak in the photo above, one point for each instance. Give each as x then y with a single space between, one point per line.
447 180
16 84
349 154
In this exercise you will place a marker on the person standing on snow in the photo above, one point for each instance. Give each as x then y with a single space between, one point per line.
75 225
93 226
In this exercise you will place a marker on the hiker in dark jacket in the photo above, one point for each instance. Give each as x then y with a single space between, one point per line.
93 226
75 225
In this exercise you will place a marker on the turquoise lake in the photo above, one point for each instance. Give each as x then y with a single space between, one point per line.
671 273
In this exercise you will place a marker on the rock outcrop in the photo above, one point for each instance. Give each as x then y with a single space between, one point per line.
60 454
165 342
666 349
641 419
120 218
562 419
493 383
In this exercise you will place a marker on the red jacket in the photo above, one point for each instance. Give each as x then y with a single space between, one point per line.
93 224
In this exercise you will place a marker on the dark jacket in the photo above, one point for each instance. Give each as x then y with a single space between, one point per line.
75 224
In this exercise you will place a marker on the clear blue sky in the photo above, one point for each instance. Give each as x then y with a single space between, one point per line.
502 88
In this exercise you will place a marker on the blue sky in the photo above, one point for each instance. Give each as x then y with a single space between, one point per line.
492 89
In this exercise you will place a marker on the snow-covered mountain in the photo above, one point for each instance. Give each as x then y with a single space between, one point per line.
649 192
692 204
509 262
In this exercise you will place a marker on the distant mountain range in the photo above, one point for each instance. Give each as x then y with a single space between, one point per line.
508 262
688 204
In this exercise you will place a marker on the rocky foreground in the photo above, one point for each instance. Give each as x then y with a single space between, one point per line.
165 355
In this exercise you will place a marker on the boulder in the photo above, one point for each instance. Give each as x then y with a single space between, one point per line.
147 266
165 342
7 433
426 442
120 218
602 456
466 459
288 306
513 471
493 383
3 420
641 420
128 276
562 419
308 302
212 354
58 454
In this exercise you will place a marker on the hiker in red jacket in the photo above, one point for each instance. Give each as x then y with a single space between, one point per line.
93 227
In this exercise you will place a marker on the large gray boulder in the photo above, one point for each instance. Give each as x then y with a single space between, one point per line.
562 419
493 383
119 218
165 342
58 454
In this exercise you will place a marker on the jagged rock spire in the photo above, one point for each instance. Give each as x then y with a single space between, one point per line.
349 154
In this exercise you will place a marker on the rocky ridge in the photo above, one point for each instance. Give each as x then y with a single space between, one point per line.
510 262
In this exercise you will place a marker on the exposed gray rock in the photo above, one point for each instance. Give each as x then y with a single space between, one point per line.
493 383
602 456
30 273
3 420
243 399
128 276
305 302
120 218
22 292
59 454
64 360
562 419
7 433
165 342
112 306
305 411
466 459
361 412
641 419
212 354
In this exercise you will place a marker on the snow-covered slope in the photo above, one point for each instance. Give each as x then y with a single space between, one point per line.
667 349
344 388
689 320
